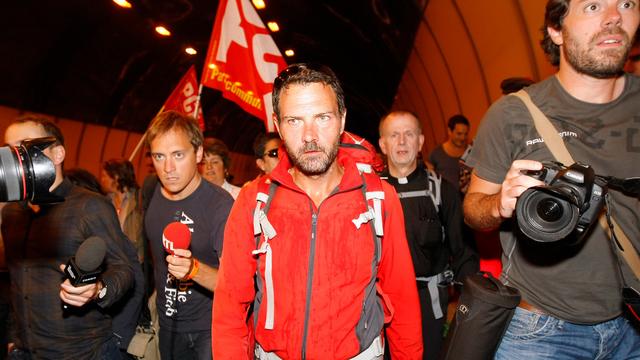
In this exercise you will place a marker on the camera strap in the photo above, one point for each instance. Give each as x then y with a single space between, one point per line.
559 150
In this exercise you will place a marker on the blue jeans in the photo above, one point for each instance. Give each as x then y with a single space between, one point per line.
185 346
534 336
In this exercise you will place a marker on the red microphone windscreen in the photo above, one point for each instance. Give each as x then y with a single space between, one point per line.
176 235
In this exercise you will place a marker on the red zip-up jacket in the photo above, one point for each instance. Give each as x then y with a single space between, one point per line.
322 266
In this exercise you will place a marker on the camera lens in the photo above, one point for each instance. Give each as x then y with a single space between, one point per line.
543 215
26 173
549 209
12 182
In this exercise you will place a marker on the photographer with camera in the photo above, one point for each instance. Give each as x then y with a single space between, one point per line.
52 319
572 306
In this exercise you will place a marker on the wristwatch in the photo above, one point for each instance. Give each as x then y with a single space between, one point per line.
102 293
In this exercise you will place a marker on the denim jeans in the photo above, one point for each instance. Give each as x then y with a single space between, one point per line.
185 346
534 336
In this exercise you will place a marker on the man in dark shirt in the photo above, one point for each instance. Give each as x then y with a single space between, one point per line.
185 281
52 319
434 227
449 157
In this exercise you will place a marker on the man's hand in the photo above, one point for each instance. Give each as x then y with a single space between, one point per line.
78 296
515 183
487 204
180 263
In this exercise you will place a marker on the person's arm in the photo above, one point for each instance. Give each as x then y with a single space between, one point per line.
398 282
234 291
487 204
98 218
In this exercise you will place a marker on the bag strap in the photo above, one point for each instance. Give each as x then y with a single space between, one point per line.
546 130
559 150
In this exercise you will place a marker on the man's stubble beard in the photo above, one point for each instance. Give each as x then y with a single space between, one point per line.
584 60
318 164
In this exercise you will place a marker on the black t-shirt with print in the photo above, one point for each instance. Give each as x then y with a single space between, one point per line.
184 305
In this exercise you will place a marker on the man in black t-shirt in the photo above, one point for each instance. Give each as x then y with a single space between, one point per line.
571 293
184 281
433 222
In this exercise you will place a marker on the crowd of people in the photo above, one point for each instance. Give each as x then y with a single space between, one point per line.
327 254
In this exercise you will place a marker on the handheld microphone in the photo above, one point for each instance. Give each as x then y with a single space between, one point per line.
84 268
176 235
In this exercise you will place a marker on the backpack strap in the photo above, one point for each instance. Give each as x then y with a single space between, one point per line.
433 190
261 225
434 187
374 197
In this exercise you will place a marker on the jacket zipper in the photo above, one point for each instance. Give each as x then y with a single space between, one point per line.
307 309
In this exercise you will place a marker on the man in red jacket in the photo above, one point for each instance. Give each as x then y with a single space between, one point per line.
331 266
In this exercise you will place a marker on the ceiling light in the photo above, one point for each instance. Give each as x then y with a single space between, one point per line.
273 26
289 52
190 51
163 30
259 4
123 3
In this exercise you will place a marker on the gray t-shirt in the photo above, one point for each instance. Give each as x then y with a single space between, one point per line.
579 284
453 169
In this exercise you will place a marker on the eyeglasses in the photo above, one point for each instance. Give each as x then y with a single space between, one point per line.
273 153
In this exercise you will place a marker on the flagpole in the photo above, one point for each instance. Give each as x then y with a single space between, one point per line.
137 148
195 111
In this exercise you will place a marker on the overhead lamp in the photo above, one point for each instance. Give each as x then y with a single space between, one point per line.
273 26
289 52
191 51
123 3
163 30
259 4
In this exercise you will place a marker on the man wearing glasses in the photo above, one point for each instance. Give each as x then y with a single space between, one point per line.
328 276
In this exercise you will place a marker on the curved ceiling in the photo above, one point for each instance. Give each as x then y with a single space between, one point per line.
462 52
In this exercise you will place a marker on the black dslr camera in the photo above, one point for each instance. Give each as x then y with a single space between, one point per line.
565 207
26 173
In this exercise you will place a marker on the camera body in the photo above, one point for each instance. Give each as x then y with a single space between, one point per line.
565 207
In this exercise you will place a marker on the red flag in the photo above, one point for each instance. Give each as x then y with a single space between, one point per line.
185 97
243 60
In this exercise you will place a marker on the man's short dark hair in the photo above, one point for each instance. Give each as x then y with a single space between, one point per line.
457 119
122 171
260 143
169 120
213 146
49 127
554 15
303 74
